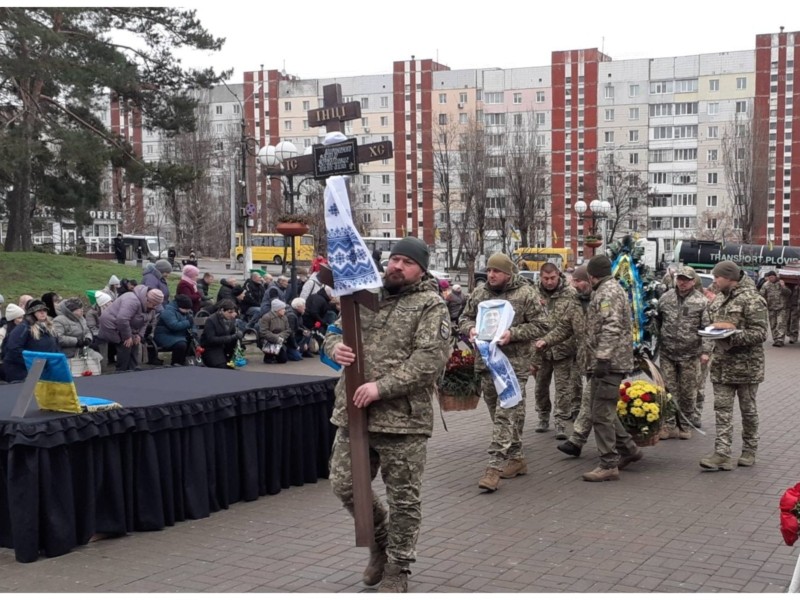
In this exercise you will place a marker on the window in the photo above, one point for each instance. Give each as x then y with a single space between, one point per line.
658 177
366 216
685 200
686 154
609 137
219 109
493 118
609 114
518 119
713 131
541 140
517 97
386 218
683 222
365 179
712 155
741 83
287 106
384 101
442 119
660 110
385 179
661 201
365 121
633 135
384 121
236 109
442 98
713 85
287 125
305 124
712 178
662 133
686 108
608 92
540 96
633 90
657 223
463 118
711 200
306 105
711 224
365 103
660 156
741 106
660 87
633 114
633 158
539 118
493 97
713 108
685 85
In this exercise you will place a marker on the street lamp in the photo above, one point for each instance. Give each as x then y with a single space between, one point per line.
600 210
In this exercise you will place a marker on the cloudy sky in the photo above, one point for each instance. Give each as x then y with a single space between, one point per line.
315 38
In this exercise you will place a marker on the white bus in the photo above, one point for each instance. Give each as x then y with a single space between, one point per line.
384 244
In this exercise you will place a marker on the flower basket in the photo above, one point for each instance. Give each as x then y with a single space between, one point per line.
459 388
593 242
292 229
790 513
643 406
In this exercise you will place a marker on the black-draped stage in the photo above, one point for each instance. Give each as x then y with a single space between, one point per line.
187 442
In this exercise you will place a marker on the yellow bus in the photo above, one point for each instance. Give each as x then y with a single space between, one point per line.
270 247
536 257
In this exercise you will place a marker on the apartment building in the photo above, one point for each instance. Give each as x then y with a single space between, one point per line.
664 122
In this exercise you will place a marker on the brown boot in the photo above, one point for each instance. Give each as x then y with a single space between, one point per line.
668 433
490 480
684 434
377 561
514 467
395 580
601 474
624 461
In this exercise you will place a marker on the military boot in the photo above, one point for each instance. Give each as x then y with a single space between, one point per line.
395 580
717 461
561 431
747 459
601 474
542 426
684 434
569 448
624 461
377 561
514 467
490 480
668 432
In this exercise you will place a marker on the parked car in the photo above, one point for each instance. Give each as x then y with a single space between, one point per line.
440 275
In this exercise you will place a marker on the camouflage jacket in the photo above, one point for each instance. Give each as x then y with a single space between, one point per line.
678 320
776 295
557 306
406 346
529 324
740 357
609 332
573 327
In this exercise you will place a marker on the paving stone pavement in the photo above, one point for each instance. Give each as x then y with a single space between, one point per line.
666 526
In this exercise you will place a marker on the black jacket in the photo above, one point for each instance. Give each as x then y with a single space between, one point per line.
218 341
317 305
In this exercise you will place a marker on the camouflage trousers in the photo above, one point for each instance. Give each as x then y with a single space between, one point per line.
777 323
610 436
724 399
583 422
401 460
680 377
793 328
702 377
562 371
507 423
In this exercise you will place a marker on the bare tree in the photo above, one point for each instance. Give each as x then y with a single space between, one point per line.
716 225
527 178
472 165
744 160
625 189
445 165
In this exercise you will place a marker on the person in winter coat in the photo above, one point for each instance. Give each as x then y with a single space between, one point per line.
203 285
299 342
455 302
125 322
112 288
72 331
102 303
225 291
273 328
220 336
35 332
188 286
174 323
319 309
13 317
155 277
51 299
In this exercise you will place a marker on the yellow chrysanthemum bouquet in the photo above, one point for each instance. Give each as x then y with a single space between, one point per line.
641 408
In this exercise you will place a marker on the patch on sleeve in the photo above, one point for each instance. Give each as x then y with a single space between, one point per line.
444 329
605 305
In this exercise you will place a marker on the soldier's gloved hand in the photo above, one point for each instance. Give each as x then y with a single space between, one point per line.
602 368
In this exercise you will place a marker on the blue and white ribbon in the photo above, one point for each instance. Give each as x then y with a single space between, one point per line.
493 319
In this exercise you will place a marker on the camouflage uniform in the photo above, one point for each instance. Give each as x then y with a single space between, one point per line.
529 324
680 347
737 365
557 362
702 377
793 328
608 337
406 345
777 297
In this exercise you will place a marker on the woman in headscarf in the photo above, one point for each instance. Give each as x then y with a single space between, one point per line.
51 299
188 286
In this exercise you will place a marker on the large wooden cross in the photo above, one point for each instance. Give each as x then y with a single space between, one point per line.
343 159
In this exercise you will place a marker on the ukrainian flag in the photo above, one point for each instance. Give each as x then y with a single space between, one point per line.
56 390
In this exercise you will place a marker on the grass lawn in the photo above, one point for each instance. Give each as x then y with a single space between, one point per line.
35 273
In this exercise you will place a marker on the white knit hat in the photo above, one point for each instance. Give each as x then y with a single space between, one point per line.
13 312
113 280
101 298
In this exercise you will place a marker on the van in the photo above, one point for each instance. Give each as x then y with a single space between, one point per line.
152 247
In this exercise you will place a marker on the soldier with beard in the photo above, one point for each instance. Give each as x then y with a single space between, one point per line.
406 346
506 457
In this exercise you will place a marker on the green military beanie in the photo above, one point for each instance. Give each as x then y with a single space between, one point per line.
599 266
501 262
413 248
727 269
